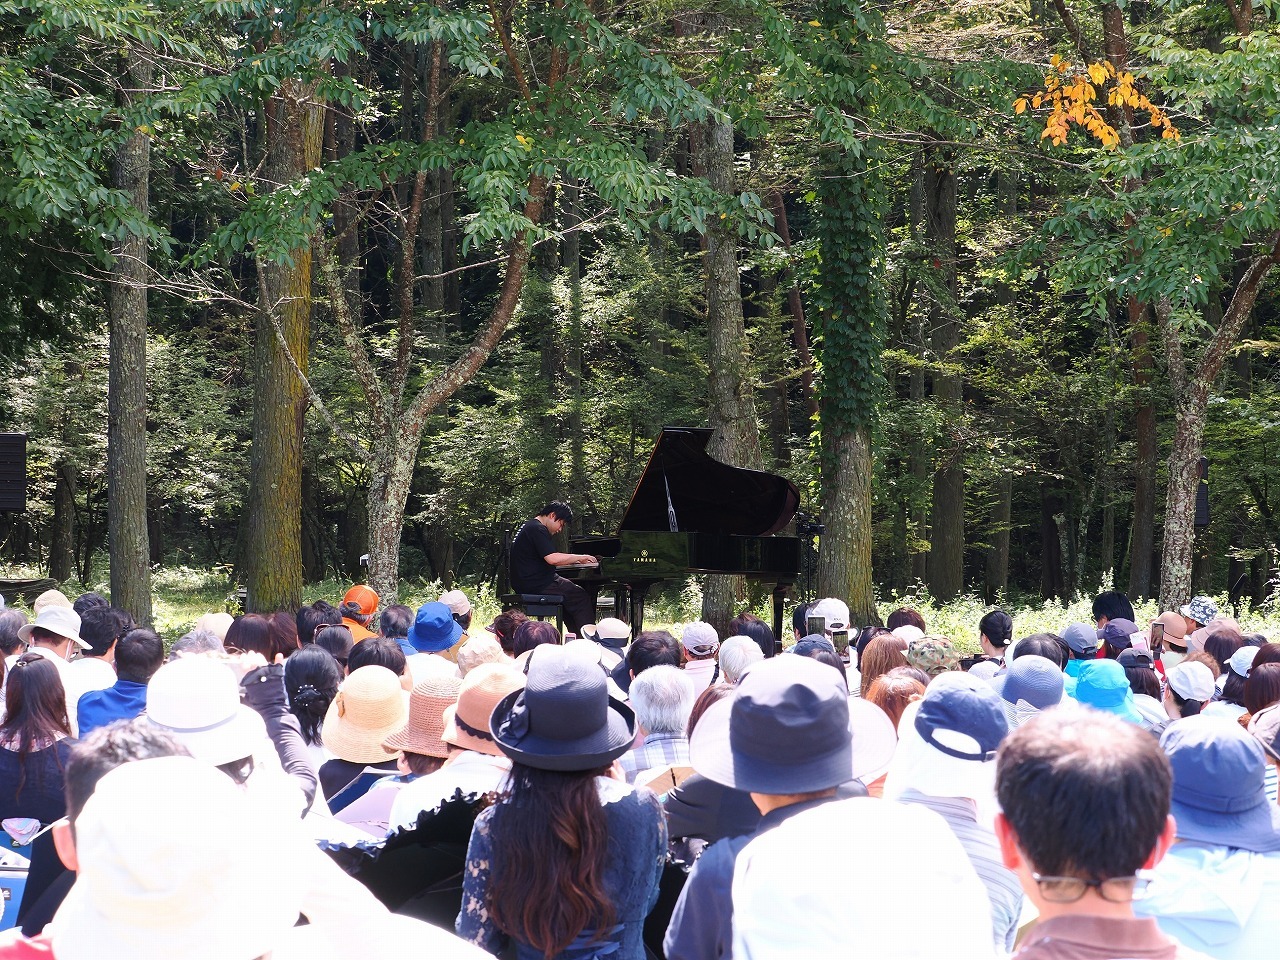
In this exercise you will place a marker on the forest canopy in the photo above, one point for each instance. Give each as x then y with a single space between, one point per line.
287 284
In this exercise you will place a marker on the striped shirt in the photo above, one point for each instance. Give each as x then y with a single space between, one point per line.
1003 889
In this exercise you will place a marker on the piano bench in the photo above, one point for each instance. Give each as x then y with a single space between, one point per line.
539 606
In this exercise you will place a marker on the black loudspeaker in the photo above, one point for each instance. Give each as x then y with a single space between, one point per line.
13 471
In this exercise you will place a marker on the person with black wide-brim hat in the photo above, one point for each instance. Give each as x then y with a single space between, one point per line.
566 864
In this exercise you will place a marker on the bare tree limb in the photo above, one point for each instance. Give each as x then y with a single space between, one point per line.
370 382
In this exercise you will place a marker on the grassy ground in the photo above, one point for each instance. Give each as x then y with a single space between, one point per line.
182 594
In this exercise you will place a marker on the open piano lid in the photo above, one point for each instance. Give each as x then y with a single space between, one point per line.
705 495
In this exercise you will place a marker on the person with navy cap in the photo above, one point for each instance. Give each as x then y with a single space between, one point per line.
785 738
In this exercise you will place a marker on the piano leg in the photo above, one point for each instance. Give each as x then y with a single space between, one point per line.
639 591
779 595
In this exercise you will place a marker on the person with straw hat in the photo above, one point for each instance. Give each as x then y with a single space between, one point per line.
563 734
422 753
369 708
474 764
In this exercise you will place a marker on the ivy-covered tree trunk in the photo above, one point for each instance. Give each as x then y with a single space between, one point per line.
273 542
946 535
851 324
128 543
732 409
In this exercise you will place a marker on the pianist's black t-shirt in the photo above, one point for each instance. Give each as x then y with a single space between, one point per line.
529 572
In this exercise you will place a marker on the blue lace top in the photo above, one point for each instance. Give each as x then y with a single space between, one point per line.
637 851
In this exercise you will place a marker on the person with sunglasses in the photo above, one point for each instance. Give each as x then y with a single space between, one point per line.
1085 802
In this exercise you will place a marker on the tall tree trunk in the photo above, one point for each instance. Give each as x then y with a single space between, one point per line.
128 544
390 476
919 457
1191 391
997 567
853 319
62 554
732 411
946 540
572 258
273 561
1143 540
844 565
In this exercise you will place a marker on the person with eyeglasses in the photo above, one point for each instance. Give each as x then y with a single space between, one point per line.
1085 801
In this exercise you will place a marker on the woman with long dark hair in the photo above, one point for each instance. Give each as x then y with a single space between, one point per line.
566 864
35 739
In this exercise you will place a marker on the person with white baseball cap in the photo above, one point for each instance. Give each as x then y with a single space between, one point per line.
1189 687
700 643
55 634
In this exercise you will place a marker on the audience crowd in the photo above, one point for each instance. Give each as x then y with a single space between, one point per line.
279 786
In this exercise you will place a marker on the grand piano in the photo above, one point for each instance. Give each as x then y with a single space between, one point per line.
691 514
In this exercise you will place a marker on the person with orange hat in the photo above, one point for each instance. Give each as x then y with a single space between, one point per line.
359 604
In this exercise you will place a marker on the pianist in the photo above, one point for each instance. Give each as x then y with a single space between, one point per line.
534 559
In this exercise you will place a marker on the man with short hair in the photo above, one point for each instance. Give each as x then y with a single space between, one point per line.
1085 805
138 656
87 601
534 559
653 648
312 618
101 627
784 738
195 642
394 624
662 698
1218 890
1112 605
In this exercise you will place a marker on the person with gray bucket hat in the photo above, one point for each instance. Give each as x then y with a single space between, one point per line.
786 737
523 882
1218 888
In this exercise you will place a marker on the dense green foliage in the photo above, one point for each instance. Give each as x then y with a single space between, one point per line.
453 133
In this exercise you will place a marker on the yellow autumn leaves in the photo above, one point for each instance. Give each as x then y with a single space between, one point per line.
1071 96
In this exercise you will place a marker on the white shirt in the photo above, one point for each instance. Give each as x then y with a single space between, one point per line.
86 675
700 672
423 665
469 771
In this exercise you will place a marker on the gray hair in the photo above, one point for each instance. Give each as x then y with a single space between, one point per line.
663 699
197 641
477 650
736 654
